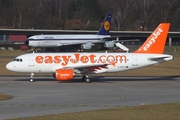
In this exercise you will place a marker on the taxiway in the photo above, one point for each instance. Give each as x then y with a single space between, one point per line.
47 96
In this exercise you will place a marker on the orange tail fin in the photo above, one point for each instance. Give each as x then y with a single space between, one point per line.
155 43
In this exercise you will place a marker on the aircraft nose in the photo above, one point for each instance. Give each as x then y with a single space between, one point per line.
26 42
9 66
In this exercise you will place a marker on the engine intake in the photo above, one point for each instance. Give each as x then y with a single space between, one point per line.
87 46
109 44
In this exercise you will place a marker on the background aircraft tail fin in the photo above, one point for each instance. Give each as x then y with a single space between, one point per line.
155 43
104 30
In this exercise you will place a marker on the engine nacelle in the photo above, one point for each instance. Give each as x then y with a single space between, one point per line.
109 44
62 74
86 46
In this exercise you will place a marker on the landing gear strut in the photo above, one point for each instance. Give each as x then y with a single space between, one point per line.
31 77
86 79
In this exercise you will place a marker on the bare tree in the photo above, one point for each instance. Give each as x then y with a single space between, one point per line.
120 9
164 8
60 8
147 11
53 14
165 13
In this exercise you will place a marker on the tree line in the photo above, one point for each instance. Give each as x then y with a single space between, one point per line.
88 14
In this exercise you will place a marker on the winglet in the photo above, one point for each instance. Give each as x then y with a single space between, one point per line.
106 25
155 43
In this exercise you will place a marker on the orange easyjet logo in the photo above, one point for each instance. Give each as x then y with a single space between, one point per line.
155 35
83 59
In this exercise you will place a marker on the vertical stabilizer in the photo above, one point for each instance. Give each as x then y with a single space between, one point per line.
106 25
155 43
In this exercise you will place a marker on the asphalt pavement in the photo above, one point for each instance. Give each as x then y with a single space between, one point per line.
48 96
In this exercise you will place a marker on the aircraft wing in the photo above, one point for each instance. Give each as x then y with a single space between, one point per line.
60 44
114 37
111 41
85 66
122 39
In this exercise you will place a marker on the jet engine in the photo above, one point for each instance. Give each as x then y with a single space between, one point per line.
109 44
87 46
64 74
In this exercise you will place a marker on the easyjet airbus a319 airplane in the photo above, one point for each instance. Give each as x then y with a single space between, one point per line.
65 66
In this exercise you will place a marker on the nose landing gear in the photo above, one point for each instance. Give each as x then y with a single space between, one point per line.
31 77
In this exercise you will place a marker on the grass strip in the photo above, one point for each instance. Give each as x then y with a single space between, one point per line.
163 111
5 97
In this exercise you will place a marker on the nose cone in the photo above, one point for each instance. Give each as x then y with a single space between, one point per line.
26 42
10 67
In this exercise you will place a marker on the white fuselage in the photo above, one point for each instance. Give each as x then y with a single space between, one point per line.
114 62
62 40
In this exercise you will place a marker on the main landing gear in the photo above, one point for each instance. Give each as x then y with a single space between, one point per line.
86 79
31 77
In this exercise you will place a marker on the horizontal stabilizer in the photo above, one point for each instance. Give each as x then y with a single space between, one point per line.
161 58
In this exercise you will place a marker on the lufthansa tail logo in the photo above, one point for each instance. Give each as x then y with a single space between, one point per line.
107 25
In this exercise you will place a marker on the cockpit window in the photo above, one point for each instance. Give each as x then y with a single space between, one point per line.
30 39
18 59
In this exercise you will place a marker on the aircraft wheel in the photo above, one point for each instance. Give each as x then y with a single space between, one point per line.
31 80
88 80
31 77
84 78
